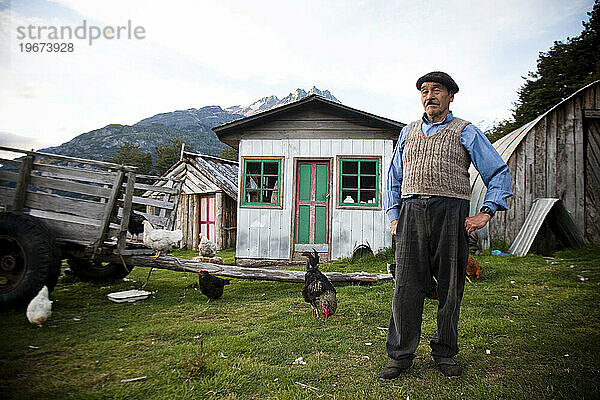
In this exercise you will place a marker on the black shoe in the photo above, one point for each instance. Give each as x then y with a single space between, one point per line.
392 370
450 368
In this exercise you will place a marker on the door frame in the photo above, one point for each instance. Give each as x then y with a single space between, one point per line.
208 222
321 248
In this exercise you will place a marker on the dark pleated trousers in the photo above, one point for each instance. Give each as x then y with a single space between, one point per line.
431 240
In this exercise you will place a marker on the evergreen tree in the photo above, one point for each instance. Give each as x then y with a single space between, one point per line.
168 154
130 154
565 68
228 153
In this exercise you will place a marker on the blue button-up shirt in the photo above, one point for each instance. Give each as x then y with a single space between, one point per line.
485 158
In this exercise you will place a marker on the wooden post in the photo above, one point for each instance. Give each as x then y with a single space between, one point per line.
219 231
110 205
127 211
22 183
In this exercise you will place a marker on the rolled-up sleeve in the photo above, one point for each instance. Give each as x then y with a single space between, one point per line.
492 168
393 188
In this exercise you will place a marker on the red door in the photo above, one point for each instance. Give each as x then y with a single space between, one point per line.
312 206
207 216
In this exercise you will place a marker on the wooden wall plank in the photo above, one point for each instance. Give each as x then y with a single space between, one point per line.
551 145
540 160
579 160
569 157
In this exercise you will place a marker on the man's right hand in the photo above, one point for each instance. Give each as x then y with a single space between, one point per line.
393 226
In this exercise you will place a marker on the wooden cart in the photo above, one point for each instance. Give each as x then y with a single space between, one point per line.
54 207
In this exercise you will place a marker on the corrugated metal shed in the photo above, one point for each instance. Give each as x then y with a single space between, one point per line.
550 157
554 212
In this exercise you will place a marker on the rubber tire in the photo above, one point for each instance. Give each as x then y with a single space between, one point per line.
39 253
96 271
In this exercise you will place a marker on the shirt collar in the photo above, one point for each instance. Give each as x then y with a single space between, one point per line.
448 118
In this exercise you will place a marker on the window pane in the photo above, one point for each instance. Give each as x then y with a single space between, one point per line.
270 182
253 167
252 182
367 182
349 182
368 196
269 196
368 167
270 168
252 196
349 196
349 167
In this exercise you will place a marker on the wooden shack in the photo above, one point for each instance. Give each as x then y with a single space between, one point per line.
554 156
208 199
311 176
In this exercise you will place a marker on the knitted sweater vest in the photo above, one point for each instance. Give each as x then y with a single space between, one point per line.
436 165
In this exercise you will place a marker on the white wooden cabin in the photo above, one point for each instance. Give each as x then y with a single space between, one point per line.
312 175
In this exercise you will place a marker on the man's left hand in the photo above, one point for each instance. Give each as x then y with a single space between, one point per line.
476 222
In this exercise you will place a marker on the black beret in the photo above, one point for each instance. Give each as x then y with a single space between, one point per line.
439 77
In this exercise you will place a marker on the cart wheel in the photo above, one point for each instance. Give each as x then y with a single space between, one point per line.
97 271
29 258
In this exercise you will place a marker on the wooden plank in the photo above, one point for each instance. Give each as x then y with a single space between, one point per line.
66 205
8 176
152 202
70 186
70 228
12 163
7 196
76 174
110 206
551 143
219 240
561 157
579 161
322 134
592 114
22 183
519 187
176 198
155 188
592 180
122 237
232 271
569 157
540 160
529 149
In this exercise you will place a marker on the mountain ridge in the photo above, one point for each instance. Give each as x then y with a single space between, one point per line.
194 125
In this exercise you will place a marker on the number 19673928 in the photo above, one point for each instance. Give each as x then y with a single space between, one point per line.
46 47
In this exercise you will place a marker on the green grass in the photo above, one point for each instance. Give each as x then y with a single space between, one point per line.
543 345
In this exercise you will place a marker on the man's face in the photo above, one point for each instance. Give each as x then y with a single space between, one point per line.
436 100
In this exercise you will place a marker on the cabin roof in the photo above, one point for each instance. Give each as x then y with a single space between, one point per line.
203 173
231 131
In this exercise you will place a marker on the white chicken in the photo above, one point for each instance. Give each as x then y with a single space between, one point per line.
207 247
160 239
40 308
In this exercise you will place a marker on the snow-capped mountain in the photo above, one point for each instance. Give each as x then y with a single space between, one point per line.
266 103
194 125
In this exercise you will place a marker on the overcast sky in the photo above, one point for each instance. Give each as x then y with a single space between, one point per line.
369 54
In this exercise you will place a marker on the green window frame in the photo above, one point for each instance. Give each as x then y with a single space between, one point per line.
261 181
359 182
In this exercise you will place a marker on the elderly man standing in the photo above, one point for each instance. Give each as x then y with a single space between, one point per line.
428 194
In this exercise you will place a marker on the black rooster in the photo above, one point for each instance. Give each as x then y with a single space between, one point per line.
136 224
317 289
211 286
